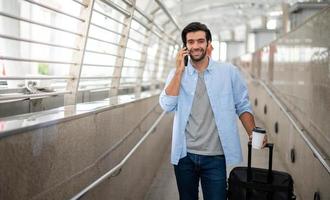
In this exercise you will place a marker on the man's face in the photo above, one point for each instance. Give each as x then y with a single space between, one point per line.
197 44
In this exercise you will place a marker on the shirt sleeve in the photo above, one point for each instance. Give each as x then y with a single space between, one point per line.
167 102
240 92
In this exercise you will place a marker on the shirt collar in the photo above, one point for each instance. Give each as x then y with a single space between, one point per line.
209 68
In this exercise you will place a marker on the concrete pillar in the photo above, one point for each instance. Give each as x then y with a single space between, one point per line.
235 49
247 32
263 37
301 11
285 18
263 22
272 51
219 36
232 35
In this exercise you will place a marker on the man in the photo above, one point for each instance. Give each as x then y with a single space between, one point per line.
206 96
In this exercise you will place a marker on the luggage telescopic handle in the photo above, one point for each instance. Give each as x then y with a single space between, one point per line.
270 161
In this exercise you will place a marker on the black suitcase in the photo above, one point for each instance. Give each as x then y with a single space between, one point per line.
249 183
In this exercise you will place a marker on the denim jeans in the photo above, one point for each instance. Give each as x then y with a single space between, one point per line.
211 170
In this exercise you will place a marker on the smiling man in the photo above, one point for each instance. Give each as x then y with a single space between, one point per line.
206 97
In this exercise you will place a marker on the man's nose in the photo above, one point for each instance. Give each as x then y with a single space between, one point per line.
195 45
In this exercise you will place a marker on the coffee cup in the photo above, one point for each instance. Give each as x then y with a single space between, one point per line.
258 135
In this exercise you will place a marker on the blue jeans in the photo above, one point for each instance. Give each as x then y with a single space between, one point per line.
211 170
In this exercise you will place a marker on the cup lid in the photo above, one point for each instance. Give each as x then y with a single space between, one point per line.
259 130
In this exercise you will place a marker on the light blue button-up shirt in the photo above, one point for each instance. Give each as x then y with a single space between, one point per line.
228 96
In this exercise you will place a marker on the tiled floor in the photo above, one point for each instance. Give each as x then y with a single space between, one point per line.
164 185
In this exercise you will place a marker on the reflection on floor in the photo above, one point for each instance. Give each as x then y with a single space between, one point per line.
164 185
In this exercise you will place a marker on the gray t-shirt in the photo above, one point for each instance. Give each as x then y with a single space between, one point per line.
201 131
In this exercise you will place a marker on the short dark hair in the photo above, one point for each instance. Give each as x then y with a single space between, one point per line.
193 27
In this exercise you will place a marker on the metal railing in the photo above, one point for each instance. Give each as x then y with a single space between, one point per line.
109 17
37 60
54 10
119 166
38 23
167 13
37 42
117 7
28 96
80 3
35 77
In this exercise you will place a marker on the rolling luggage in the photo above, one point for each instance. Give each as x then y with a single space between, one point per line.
249 183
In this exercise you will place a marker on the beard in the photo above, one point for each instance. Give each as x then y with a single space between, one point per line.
199 58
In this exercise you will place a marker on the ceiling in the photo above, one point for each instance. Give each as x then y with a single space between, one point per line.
219 15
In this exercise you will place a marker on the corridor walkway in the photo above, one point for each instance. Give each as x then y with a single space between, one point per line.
164 185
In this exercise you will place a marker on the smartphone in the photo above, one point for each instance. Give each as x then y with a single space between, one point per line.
185 58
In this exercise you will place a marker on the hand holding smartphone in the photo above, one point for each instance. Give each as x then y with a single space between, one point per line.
185 60
185 57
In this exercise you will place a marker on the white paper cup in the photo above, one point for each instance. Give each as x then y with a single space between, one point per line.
258 135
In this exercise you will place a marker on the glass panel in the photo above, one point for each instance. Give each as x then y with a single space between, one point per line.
37 54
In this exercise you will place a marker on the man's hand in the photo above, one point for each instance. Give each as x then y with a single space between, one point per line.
173 87
264 142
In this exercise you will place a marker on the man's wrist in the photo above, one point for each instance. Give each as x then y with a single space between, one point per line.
179 71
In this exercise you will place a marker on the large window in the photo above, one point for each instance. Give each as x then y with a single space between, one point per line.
68 48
